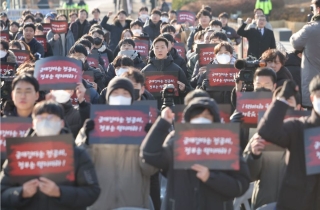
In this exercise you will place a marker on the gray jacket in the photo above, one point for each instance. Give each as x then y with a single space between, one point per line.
267 170
56 45
307 39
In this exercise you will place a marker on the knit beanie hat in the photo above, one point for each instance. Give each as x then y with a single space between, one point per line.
120 82
202 103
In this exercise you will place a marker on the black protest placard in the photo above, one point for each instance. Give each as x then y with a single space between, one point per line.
58 73
155 81
4 35
46 27
153 108
206 53
221 77
21 55
42 39
59 26
215 146
4 67
312 150
105 59
118 124
93 60
13 127
181 49
48 156
184 16
142 47
251 103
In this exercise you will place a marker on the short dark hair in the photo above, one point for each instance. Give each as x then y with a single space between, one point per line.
227 45
78 48
29 17
25 78
88 37
39 27
29 25
136 23
168 37
194 94
49 107
314 84
122 12
136 75
5 44
203 12
62 15
219 35
97 30
265 71
257 9
143 9
224 15
122 61
26 12
15 43
297 96
39 13
127 41
83 10
272 54
164 14
173 12
215 23
168 28
73 13
96 26
95 10
160 39
316 2
156 11
14 23
163 24
85 42
208 8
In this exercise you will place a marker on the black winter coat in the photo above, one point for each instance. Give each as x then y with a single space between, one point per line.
191 36
99 77
293 64
184 190
153 30
298 191
76 195
282 75
115 29
72 118
177 59
258 43
75 29
35 47
169 65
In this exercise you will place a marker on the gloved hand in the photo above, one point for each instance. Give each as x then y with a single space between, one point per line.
288 89
88 126
236 117
205 84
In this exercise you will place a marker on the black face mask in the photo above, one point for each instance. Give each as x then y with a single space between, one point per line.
136 94
97 41
38 20
262 89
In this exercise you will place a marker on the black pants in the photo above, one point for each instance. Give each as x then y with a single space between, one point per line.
155 191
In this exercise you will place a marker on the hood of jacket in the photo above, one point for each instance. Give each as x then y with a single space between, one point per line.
161 64
293 60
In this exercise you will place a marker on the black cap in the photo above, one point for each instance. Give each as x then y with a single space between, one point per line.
3 14
224 15
202 103
120 82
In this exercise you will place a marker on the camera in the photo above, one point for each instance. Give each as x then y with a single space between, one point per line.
167 96
247 68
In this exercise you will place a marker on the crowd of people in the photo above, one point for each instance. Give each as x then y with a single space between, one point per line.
128 176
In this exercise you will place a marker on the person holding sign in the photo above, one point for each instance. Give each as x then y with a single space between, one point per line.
99 45
197 187
77 192
290 134
164 62
123 176
28 37
60 43
267 166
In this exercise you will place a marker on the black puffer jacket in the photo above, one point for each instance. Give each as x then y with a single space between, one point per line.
75 29
282 75
191 36
293 64
76 195
99 77
153 30
35 48
72 118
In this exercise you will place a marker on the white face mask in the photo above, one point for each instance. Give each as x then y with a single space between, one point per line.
144 17
164 19
47 127
2 53
120 71
316 104
119 100
61 96
223 59
200 120
136 32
